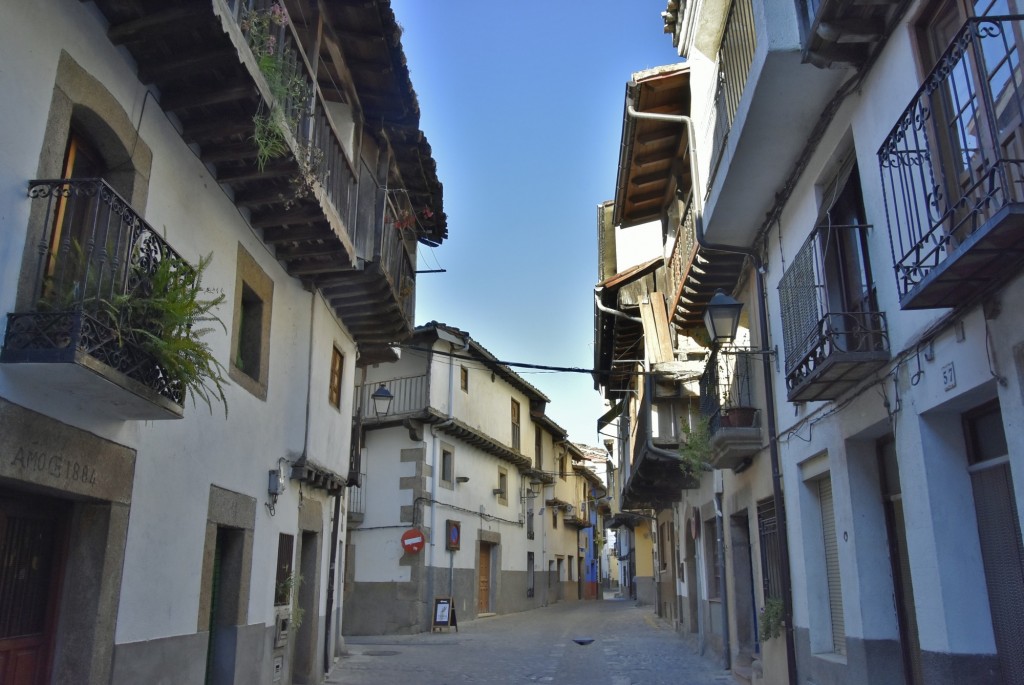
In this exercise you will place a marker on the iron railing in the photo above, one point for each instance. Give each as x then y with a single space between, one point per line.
735 55
955 157
95 248
411 395
809 290
726 385
357 498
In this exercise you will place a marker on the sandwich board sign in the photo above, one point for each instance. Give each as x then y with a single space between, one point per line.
444 614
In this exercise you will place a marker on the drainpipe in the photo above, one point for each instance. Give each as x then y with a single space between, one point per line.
613 312
724 584
771 420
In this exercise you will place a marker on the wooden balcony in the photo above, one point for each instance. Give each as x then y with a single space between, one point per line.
319 205
70 342
656 479
953 175
696 273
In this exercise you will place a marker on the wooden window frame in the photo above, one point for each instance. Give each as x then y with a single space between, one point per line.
337 371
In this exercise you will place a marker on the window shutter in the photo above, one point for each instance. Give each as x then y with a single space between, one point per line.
798 296
835 591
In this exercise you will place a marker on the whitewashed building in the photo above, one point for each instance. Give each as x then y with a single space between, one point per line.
466 459
145 537
863 159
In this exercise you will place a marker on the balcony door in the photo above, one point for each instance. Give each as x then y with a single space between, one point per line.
977 109
72 244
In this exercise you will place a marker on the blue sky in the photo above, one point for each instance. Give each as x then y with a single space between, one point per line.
522 104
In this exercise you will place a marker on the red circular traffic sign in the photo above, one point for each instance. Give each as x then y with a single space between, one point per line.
412 540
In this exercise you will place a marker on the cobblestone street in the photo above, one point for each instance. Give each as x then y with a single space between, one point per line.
631 646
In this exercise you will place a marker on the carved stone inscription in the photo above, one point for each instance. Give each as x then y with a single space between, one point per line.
41 450
56 465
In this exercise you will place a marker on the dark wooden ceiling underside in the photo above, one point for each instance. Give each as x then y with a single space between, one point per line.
183 52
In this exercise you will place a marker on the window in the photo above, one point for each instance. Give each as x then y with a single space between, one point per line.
562 466
530 575
711 560
529 519
250 332
502 485
464 378
247 354
663 546
334 393
73 218
827 296
447 467
515 425
283 577
554 516
771 556
538 448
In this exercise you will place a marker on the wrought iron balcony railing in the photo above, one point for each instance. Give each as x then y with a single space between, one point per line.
841 350
357 501
726 390
727 402
94 249
833 335
952 171
411 396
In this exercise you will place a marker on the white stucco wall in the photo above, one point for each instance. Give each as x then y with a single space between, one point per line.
177 461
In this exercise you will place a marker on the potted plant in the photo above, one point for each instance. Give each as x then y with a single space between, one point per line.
739 417
166 312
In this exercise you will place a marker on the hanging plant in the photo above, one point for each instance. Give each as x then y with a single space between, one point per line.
285 77
167 313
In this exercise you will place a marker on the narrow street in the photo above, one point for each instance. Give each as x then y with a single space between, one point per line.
631 646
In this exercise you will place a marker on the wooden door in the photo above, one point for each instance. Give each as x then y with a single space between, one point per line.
483 604
31 562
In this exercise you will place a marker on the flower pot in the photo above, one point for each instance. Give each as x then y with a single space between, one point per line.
739 417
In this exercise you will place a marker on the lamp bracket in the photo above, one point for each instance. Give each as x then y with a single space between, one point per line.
772 352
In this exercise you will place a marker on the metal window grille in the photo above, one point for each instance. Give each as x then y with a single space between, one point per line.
771 551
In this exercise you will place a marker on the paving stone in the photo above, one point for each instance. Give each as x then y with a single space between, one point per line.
631 646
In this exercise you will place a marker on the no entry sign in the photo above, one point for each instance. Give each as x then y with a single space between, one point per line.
412 540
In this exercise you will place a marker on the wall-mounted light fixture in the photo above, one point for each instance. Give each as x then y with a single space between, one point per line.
461 479
382 399
722 317
498 491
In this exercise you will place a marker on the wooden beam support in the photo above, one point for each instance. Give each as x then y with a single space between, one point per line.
181 99
154 22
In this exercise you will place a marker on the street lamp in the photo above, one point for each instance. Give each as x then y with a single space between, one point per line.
722 317
382 398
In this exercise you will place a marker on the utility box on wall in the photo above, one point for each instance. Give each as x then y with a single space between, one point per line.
282 624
